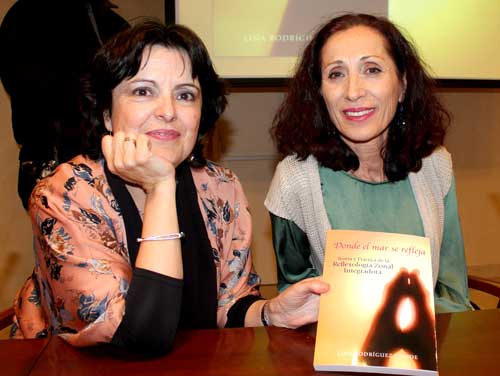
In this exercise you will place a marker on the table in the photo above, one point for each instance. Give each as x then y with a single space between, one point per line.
468 344
489 272
19 357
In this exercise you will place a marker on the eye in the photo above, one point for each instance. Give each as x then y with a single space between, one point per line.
373 70
141 91
186 96
335 74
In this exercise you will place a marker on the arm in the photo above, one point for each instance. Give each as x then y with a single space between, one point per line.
134 162
298 301
225 209
293 252
149 323
81 261
297 306
84 274
451 293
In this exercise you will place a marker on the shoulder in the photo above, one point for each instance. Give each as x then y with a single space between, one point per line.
18 9
292 163
440 156
439 162
76 170
292 173
74 181
294 183
215 174
215 180
23 13
14 27
437 169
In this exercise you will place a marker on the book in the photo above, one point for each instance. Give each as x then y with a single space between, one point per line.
378 316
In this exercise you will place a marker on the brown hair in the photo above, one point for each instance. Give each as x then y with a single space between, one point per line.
302 125
120 59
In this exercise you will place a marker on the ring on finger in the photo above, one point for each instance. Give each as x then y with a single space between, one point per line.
127 139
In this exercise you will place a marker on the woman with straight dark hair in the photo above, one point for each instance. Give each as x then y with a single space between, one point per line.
361 132
141 236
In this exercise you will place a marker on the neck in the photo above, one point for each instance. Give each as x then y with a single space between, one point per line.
371 164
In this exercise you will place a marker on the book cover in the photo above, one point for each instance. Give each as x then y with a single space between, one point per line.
378 316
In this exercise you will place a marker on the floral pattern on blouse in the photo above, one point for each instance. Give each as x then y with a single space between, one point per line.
82 267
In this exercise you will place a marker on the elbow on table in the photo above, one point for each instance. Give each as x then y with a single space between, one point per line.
147 343
156 345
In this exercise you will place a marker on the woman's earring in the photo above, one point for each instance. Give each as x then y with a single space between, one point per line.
400 117
107 122
331 130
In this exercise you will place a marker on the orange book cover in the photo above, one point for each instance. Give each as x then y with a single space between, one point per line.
378 316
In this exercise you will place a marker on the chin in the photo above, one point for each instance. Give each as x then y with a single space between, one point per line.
169 158
358 139
362 138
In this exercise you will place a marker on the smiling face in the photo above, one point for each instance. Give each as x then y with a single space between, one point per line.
161 101
360 85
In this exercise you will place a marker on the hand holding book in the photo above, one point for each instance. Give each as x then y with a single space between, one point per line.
379 315
297 305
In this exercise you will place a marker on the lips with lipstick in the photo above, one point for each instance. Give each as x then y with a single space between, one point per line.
164 134
358 114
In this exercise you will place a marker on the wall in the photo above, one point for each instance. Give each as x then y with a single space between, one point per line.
243 144
473 141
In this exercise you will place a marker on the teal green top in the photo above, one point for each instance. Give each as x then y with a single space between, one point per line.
385 207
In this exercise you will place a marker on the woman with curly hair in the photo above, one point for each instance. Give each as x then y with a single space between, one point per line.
361 132
140 236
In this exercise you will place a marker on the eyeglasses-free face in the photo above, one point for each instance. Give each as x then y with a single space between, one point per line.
161 101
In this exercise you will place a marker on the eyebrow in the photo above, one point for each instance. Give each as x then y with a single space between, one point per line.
189 85
363 58
153 82
138 79
371 56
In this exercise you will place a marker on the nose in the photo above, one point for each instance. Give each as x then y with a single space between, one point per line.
355 88
166 108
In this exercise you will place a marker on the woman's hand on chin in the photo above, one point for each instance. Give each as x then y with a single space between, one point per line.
129 156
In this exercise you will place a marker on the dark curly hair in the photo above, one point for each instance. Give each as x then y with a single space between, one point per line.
120 59
302 125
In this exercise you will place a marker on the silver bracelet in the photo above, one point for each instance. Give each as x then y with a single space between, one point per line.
263 314
175 235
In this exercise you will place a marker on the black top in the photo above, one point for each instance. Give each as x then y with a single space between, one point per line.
157 305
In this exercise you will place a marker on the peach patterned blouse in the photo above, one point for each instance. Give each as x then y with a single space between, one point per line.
82 267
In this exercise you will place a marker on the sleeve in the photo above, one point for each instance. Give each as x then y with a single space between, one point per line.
89 292
451 292
152 315
29 319
237 279
293 252
80 258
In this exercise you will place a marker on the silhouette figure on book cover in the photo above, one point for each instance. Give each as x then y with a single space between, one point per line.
403 321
